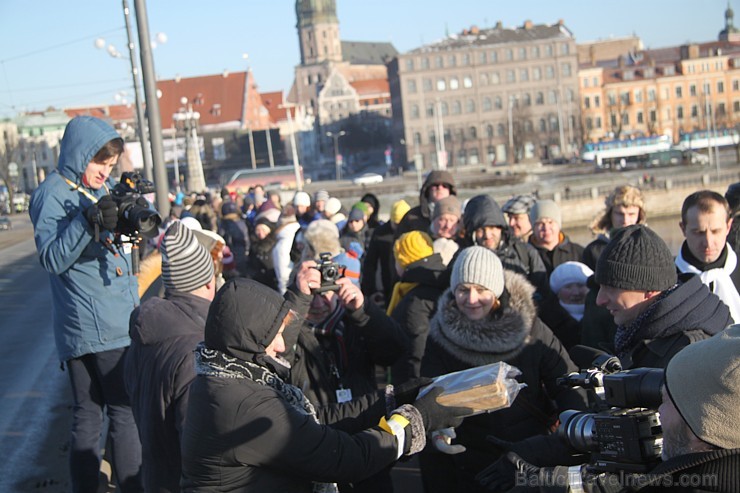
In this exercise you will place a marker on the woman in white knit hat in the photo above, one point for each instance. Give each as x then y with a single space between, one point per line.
487 315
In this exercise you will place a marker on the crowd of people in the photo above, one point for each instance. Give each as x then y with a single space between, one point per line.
281 347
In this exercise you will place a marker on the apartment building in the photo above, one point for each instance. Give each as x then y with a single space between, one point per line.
487 96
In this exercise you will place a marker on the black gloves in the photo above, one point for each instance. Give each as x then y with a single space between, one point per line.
436 416
104 213
513 474
406 392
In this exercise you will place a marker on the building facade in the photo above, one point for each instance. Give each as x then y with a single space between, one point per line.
487 96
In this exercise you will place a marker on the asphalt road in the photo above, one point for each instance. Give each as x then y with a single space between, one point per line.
34 392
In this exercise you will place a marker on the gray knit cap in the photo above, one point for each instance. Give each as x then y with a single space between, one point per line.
703 380
478 265
186 264
545 208
637 259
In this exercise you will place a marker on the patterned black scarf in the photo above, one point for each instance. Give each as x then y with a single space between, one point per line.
214 363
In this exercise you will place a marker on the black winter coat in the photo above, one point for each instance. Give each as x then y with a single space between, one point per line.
236 235
415 311
379 257
512 334
688 314
320 364
701 472
563 252
158 372
593 250
243 435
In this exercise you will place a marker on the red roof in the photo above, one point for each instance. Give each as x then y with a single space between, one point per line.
273 101
116 112
218 98
371 87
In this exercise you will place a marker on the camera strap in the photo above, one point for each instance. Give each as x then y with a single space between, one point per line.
76 186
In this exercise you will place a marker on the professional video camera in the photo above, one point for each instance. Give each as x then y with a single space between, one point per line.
624 434
134 215
330 272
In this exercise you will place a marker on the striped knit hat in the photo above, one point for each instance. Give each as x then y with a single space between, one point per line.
186 264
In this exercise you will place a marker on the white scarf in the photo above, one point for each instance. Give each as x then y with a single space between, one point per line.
718 280
575 311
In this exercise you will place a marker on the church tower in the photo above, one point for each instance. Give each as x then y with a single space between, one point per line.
730 32
318 31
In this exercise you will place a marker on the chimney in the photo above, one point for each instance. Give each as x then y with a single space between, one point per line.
499 25
474 30
689 52
561 22
620 61
592 54
528 24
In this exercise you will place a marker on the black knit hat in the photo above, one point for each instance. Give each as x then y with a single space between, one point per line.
636 259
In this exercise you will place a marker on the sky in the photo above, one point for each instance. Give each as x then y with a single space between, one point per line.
48 54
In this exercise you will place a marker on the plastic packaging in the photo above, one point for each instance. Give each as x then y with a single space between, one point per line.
483 388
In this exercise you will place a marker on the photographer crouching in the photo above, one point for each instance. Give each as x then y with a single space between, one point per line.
699 414
85 234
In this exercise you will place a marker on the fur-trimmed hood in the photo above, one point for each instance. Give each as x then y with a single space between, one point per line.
498 337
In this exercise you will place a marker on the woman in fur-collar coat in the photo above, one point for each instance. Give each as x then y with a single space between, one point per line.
486 316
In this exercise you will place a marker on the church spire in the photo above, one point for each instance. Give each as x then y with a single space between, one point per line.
318 31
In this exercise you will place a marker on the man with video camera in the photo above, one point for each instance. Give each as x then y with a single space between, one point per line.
94 290
699 413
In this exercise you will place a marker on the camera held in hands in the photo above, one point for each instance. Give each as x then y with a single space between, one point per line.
135 217
330 272
624 434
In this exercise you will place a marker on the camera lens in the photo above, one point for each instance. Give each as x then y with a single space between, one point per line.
330 273
577 429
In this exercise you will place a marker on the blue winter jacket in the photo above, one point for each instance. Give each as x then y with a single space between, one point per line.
93 290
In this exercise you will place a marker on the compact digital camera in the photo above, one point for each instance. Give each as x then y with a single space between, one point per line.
330 272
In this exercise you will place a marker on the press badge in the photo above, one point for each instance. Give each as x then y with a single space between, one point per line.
344 395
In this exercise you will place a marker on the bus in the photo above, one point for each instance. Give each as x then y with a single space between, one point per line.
615 150
702 139
278 177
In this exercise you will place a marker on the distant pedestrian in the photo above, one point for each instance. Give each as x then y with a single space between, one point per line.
548 238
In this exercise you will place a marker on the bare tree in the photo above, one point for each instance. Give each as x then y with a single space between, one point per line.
617 112
8 150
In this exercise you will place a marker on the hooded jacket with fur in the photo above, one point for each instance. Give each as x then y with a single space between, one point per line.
512 334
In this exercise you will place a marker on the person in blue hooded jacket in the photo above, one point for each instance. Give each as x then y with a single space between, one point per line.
93 292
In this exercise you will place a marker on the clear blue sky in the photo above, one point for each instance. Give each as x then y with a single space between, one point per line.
48 56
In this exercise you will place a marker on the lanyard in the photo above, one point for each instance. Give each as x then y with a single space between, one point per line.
84 192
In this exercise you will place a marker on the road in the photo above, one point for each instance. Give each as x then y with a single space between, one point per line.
34 392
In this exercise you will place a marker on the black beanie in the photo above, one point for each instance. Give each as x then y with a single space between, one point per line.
636 259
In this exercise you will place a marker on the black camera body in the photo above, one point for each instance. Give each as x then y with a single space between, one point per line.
135 217
624 434
330 272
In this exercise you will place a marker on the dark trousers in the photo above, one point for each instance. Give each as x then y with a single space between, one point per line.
98 387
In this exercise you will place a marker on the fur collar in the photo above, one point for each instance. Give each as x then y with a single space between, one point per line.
498 337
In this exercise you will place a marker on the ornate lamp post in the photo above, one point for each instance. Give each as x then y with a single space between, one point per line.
337 156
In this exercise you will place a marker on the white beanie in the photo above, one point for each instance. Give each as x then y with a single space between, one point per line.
567 273
478 265
703 381
333 205
186 264
302 199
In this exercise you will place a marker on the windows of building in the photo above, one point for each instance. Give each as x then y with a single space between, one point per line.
736 106
425 63
465 59
539 99
409 64
720 87
430 110
493 56
523 75
549 72
472 133
467 81
527 99
653 116
736 85
454 84
589 123
522 53
651 95
597 101
536 73
694 111
721 109
528 127
444 108
554 127
585 82
587 102
439 62
452 61
482 58
692 90
495 78
679 92
640 119
498 103
456 107
552 97
411 86
484 80
565 69
543 125
679 112
487 104
548 51
638 95
500 130
489 131
441 84
470 106
427 85
535 52
473 156
564 48
510 76
508 54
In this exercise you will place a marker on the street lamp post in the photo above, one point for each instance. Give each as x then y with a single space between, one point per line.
337 157
293 150
512 97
